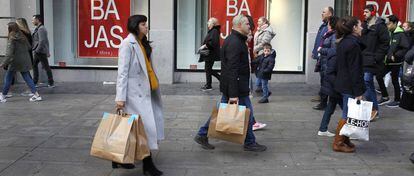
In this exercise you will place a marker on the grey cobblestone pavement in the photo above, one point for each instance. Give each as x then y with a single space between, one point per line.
53 137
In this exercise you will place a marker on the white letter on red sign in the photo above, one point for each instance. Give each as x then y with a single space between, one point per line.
92 38
104 38
246 8
387 7
111 3
97 8
232 6
116 36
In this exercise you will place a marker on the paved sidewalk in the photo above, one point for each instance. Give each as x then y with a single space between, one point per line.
53 137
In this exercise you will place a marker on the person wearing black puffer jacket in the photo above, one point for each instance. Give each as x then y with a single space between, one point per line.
265 64
376 38
212 42
327 56
399 45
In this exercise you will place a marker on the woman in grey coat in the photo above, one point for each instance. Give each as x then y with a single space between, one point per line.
264 34
137 89
18 60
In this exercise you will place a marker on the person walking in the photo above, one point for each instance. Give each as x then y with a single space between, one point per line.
322 98
399 45
41 51
212 43
327 56
18 60
234 84
350 75
137 89
377 41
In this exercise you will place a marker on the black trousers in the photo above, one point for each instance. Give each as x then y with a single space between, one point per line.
395 71
208 67
42 58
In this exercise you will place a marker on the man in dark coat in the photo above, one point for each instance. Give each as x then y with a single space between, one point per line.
326 13
212 43
376 39
234 83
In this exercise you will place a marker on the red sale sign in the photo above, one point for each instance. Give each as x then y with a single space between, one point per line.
225 10
101 27
384 8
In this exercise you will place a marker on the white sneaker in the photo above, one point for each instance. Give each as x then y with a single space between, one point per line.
326 133
9 95
2 98
258 126
35 98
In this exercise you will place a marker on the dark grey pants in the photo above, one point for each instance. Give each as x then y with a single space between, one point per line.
42 58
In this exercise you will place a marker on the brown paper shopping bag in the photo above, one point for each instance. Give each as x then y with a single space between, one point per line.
235 138
142 149
115 139
230 118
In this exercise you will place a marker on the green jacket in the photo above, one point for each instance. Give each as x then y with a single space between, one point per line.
399 45
18 54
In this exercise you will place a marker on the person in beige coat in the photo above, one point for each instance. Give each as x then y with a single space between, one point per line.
137 89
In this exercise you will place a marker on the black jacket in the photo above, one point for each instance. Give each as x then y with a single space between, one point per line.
350 74
377 41
265 65
212 41
235 71
399 45
328 64
409 57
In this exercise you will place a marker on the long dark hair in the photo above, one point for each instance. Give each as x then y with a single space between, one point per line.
133 23
251 23
14 31
345 26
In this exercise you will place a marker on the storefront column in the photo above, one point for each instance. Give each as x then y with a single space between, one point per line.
162 34
314 15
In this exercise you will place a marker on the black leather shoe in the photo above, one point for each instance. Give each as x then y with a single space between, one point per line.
264 100
203 141
149 168
255 147
116 165
319 107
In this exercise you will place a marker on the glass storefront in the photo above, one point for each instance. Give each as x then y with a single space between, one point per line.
286 18
61 20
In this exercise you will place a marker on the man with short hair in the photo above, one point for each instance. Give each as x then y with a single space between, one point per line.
377 41
234 83
41 50
326 13
399 45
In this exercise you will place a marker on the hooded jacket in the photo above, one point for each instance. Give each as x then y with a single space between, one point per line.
399 45
265 65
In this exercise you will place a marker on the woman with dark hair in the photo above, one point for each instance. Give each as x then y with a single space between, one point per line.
137 89
18 60
350 75
327 57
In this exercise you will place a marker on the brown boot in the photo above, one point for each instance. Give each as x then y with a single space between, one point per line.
348 142
339 141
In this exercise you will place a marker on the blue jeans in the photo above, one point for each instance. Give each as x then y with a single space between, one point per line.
9 78
370 94
345 105
329 110
245 101
264 84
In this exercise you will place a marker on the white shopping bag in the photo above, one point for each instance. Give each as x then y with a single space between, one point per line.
387 79
357 123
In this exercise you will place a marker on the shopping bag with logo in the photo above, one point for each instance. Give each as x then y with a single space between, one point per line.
235 138
115 138
230 118
357 123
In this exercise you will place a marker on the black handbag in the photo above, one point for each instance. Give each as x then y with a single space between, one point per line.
203 51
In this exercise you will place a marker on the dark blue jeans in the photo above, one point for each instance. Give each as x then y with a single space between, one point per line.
9 78
329 110
245 101
264 84
345 105
370 94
